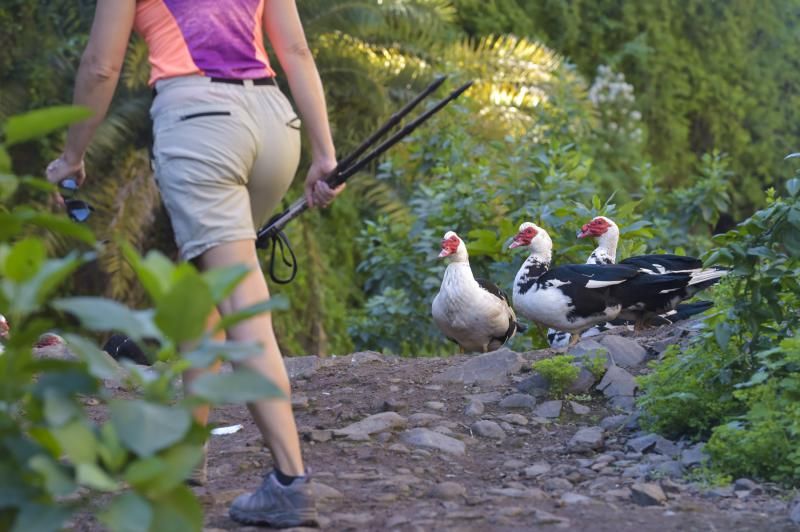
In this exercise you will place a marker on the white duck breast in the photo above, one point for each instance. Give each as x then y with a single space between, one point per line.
472 312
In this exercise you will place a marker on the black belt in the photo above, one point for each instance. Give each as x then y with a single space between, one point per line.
257 81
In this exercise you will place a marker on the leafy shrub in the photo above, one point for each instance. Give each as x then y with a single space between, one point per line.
737 382
54 458
596 365
559 372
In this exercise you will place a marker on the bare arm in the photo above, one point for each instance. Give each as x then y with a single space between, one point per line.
96 81
285 32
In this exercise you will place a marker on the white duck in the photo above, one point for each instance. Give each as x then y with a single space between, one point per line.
474 313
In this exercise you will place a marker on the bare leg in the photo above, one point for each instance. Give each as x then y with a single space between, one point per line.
274 418
201 413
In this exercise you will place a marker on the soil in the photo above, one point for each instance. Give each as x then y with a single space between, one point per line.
378 484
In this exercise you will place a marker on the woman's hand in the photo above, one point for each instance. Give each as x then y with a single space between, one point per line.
318 192
65 167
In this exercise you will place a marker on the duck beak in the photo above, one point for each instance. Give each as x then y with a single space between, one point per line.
583 232
516 243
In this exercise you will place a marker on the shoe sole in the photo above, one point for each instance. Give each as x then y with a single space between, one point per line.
275 520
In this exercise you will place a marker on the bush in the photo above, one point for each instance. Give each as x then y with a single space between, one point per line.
737 382
559 372
54 458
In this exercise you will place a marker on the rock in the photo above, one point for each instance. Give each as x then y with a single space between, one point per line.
513 464
579 409
422 419
323 491
487 398
557 484
434 405
620 493
721 492
474 409
537 469
319 436
745 484
299 401
669 469
694 455
571 497
447 491
587 439
549 409
667 448
624 403
515 419
614 422
624 351
527 493
588 348
582 383
642 444
373 424
536 386
301 367
399 448
648 494
393 405
365 357
518 400
429 439
489 369
794 514
488 429
540 517
617 382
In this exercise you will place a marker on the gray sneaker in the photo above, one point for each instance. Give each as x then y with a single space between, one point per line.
276 505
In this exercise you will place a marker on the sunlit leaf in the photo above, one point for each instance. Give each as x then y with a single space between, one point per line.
40 122
146 428
239 386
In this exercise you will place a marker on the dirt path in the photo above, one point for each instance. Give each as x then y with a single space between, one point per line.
381 483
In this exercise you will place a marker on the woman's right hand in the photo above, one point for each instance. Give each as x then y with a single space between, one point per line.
318 192
62 168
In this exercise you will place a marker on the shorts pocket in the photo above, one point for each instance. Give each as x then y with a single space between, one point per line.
294 123
204 114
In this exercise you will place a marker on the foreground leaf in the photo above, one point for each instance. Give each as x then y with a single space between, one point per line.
128 513
100 314
146 428
242 385
177 510
35 124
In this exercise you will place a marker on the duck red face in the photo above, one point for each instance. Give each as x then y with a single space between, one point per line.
595 228
3 327
450 244
524 237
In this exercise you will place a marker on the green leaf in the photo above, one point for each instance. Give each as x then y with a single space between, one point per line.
239 386
177 510
277 302
58 224
58 408
183 311
25 259
28 296
8 183
222 281
56 479
100 314
110 449
77 441
210 350
154 271
38 123
5 160
91 476
101 364
793 186
128 512
41 518
162 474
146 428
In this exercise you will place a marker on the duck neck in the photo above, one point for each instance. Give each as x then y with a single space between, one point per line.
534 267
607 245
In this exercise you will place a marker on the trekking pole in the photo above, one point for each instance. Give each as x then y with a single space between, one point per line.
343 172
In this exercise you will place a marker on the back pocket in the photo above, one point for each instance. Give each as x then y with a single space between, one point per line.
205 113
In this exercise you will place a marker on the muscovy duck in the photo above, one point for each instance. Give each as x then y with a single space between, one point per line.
474 313
654 308
574 297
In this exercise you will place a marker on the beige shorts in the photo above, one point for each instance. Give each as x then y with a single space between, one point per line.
224 156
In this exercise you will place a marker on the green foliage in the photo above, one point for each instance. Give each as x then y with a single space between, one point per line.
708 75
596 365
55 458
737 383
559 371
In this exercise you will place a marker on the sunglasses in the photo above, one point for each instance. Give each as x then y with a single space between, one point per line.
77 210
